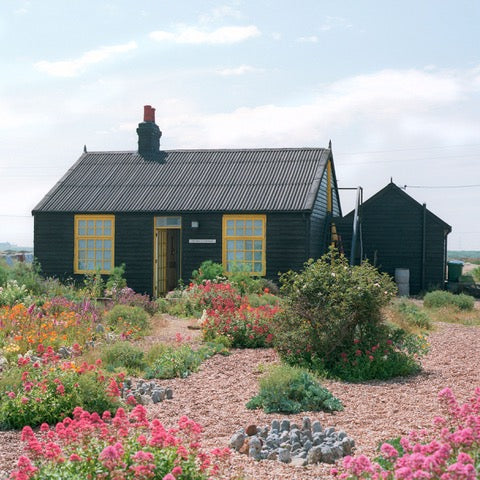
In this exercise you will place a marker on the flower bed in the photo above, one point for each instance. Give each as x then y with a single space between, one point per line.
123 447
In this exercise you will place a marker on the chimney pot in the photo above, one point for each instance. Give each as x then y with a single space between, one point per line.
148 114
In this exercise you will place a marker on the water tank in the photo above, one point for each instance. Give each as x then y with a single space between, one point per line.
402 279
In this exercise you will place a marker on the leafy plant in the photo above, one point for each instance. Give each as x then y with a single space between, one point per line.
125 446
409 315
116 280
448 451
13 293
328 306
127 321
208 270
441 298
123 355
48 390
290 389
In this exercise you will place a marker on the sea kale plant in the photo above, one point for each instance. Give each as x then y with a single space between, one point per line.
333 316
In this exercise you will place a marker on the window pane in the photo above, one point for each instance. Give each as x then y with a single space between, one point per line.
99 255
107 244
107 231
239 255
257 245
230 244
239 231
82 254
248 255
82 244
90 244
230 256
90 227
90 254
258 223
248 223
107 255
230 223
248 232
248 245
99 227
239 244
229 232
107 224
229 266
257 232
107 265
98 244
257 267
90 265
258 255
81 265
239 224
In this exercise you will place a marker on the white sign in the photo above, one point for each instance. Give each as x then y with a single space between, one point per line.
202 240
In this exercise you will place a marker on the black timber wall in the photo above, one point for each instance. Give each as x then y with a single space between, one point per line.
318 235
53 244
287 244
392 235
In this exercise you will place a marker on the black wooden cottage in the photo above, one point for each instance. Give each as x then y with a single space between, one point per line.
397 232
163 212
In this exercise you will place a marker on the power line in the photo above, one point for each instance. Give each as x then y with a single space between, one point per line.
441 186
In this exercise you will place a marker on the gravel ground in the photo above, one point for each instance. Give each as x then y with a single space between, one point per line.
215 397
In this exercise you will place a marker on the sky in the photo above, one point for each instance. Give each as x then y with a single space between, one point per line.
395 85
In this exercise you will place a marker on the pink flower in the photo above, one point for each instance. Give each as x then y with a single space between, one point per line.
75 458
168 476
11 394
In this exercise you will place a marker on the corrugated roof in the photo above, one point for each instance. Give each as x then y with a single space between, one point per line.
275 179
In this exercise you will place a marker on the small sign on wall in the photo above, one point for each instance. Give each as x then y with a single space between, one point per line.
202 240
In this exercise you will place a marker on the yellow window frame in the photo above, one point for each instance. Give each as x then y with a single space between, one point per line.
97 235
245 236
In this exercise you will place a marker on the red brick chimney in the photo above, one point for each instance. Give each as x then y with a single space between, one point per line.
149 135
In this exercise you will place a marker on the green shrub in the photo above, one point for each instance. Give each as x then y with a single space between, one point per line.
328 306
441 298
290 389
116 280
411 315
476 274
128 321
28 274
13 293
181 361
208 270
123 355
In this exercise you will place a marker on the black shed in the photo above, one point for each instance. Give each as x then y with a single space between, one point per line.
397 232
163 212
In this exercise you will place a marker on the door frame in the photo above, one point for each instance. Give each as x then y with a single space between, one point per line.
163 224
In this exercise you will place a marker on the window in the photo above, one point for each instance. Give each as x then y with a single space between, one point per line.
244 243
94 243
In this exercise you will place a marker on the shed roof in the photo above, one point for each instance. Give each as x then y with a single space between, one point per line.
267 179
392 189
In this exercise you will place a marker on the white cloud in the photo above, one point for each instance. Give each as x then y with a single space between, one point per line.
219 36
72 68
332 23
241 70
310 39
223 11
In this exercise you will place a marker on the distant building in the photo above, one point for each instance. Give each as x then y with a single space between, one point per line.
395 232
163 212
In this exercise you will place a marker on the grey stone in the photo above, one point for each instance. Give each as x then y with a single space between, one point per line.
294 426
307 445
316 427
237 440
286 445
347 445
285 425
273 455
294 436
314 455
296 446
341 435
158 395
306 435
327 454
254 447
284 455
306 423
99 328
168 393
298 461
145 399
329 431
337 451
275 425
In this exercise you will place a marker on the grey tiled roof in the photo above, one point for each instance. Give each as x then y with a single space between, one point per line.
271 179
